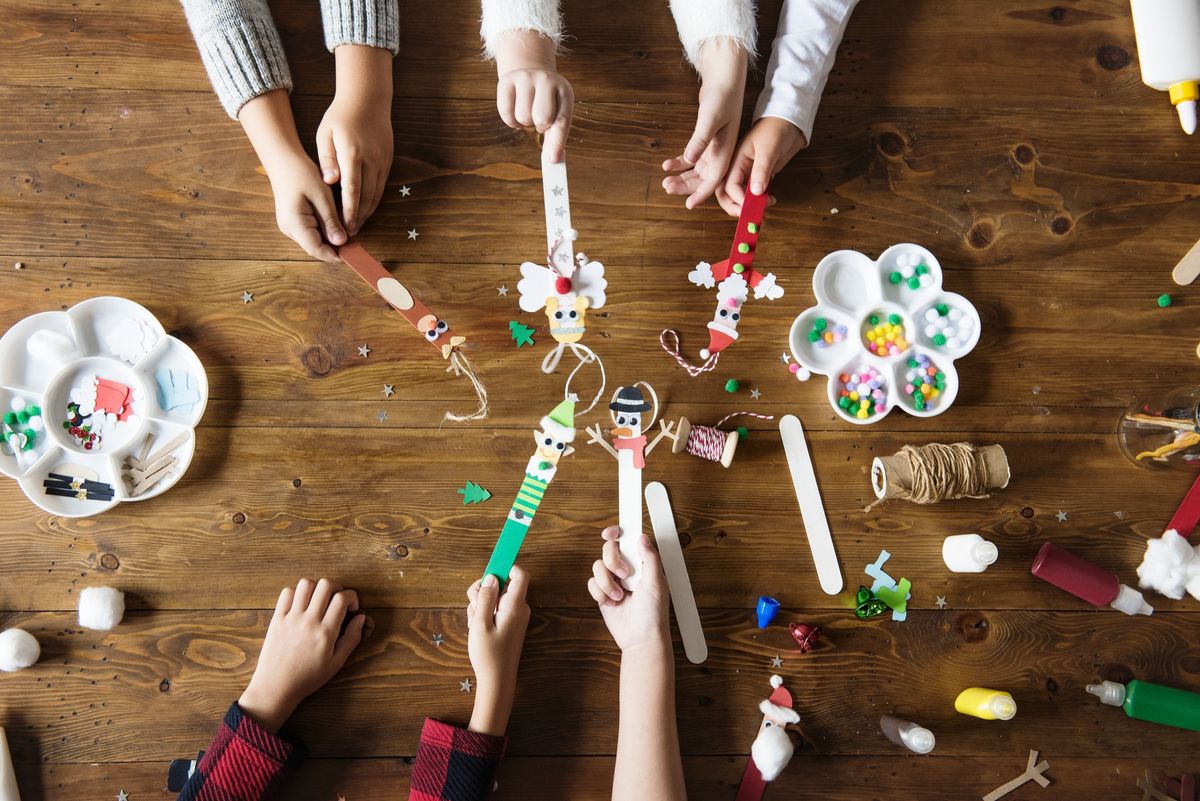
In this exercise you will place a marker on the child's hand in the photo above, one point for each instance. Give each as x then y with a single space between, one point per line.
636 618
302 650
304 207
705 160
496 623
354 140
538 98
765 150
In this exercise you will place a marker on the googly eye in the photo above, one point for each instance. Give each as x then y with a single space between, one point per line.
736 317
431 334
549 441
442 327
573 315
561 445
723 313
620 420
558 315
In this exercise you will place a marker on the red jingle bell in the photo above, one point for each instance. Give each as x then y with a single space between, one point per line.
805 635
562 285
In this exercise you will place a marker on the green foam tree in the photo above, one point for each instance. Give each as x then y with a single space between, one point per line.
521 334
473 493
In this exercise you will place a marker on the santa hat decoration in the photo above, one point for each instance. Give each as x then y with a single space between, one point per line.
720 337
560 423
778 707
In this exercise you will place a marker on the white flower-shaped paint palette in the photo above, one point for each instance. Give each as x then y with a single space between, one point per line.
886 333
98 405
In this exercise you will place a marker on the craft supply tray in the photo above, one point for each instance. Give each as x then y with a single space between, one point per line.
888 327
118 401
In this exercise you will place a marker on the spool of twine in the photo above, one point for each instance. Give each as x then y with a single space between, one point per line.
937 472
710 442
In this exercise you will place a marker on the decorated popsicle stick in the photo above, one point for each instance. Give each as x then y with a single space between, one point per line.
554 438
1187 517
1033 772
629 448
666 535
772 749
567 284
1188 269
808 495
435 330
733 277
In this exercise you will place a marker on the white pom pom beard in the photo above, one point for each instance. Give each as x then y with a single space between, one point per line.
771 752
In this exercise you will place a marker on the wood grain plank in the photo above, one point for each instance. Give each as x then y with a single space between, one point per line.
94 695
894 52
290 357
932 778
978 187
379 511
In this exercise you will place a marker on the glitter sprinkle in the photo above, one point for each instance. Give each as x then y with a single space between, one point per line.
364 351
941 602
755 393
465 686
388 390
405 191
786 358
382 416
438 640
502 291
1062 516
777 662
413 234
247 297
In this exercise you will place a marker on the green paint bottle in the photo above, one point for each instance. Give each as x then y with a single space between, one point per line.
1152 702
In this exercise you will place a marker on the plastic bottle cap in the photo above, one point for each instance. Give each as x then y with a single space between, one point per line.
919 740
1003 707
1131 602
1109 692
986 552
1187 115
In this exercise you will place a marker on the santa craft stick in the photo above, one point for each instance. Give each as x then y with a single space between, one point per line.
733 277
567 285
435 330
629 448
557 432
772 749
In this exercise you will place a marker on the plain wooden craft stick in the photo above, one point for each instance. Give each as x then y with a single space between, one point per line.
1032 773
1188 269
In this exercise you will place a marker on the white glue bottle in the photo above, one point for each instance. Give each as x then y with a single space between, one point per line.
1168 43
968 553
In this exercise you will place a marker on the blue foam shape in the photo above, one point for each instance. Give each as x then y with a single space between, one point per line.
876 572
177 391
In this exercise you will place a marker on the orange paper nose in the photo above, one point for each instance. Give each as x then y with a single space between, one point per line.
622 432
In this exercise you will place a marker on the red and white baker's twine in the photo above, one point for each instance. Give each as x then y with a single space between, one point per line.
692 370
709 443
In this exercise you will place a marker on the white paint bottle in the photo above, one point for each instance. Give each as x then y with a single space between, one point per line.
1168 43
968 553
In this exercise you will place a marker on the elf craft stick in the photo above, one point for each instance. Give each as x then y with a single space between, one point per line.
629 448
554 438
567 285
435 330
666 536
808 495
733 277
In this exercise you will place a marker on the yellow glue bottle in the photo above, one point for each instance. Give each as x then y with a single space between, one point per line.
981 702
1168 43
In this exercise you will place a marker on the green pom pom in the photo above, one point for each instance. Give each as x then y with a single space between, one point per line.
942 309
814 335
873 319
914 283
939 339
731 385
820 324
895 277
743 248
10 419
894 319
922 269
1164 301
743 432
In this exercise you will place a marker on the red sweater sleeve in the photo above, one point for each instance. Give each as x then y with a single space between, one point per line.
454 764
244 763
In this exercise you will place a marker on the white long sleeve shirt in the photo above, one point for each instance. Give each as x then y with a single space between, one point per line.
801 57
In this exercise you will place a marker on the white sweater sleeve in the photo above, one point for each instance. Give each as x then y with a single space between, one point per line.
801 58
501 16
699 21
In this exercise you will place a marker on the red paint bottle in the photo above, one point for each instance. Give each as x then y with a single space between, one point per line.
1085 580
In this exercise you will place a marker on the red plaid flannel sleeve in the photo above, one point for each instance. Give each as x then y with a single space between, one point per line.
454 764
244 763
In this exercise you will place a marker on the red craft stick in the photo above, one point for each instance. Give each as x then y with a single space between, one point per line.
750 221
752 786
435 331
1188 515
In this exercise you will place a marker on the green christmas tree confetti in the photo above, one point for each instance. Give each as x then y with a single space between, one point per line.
473 493
521 334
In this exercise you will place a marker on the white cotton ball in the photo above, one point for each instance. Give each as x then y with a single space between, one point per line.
18 649
101 608
1165 566
17 404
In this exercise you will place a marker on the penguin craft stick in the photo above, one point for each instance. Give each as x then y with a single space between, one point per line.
629 448
554 436
733 277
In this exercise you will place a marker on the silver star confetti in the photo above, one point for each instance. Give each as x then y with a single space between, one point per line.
364 351
405 191
776 662
786 358
1120 515
754 393
557 191
413 234
247 297
122 795
502 291
382 416
941 602
465 686
560 212
438 640
1062 516
388 391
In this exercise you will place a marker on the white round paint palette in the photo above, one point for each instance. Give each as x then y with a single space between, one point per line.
98 405
885 333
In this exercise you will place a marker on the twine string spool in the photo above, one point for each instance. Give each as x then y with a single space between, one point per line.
937 472
710 442
673 351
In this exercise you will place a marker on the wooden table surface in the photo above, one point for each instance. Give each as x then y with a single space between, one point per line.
1015 141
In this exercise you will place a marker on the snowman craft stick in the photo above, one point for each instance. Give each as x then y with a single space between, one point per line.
629 448
772 748
568 284
733 277
554 438
435 330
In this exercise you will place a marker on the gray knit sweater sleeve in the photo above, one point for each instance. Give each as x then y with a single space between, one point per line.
240 45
